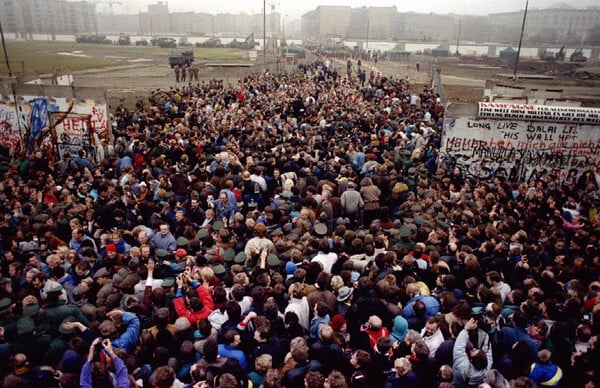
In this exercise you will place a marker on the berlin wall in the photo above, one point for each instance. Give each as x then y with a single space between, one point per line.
52 118
522 139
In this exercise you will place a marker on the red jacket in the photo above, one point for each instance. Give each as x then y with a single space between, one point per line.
194 316
374 335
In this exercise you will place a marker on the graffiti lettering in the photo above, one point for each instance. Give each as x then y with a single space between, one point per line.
475 124
539 113
522 145
99 121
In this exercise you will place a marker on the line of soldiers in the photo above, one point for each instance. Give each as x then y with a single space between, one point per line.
182 72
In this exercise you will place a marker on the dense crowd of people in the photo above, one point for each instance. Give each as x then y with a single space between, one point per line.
293 230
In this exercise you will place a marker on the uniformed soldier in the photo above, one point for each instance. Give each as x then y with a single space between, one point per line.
30 343
177 73
8 319
183 71
57 310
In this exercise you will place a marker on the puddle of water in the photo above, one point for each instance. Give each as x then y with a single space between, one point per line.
74 54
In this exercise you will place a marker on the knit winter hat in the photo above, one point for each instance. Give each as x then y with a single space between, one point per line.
337 322
290 267
400 328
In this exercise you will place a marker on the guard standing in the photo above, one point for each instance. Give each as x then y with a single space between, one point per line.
177 72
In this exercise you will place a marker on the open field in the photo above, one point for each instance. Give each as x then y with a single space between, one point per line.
42 57
130 71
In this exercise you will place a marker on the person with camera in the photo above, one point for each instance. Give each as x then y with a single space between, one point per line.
198 298
470 366
101 359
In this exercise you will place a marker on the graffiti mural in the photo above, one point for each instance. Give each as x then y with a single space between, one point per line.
480 146
29 114
40 120
73 132
13 124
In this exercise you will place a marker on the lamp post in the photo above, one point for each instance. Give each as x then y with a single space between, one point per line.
283 32
265 31
458 38
521 40
367 38
5 52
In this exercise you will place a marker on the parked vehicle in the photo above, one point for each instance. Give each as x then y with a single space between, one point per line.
96 39
181 58
577 56
164 42
211 43
124 40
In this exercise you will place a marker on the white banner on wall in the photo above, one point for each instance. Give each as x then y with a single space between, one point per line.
493 110
481 146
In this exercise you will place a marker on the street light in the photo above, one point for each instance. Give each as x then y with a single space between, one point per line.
265 31
368 21
5 52
283 32
521 39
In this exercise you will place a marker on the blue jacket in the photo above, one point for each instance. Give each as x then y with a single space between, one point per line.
315 326
128 340
407 381
547 375
227 351
432 306
510 335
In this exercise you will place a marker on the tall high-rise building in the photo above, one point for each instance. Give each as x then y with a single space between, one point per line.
27 17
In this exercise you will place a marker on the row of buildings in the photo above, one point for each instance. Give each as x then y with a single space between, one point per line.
567 25
47 16
59 17
384 23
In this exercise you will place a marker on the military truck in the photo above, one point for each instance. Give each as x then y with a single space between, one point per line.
181 58
124 40
577 56
164 42
210 43
96 39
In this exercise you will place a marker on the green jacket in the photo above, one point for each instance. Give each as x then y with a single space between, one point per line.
56 312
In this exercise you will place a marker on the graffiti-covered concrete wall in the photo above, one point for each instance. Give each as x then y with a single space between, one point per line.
53 118
521 140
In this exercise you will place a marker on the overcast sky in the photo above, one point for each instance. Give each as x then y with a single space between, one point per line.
295 8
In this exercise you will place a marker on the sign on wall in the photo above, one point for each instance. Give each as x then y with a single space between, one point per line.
73 133
13 124
567 114
522 139
53 119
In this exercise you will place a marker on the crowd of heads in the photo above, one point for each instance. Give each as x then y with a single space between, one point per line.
293 230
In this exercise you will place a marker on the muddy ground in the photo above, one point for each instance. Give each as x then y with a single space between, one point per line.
463 79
